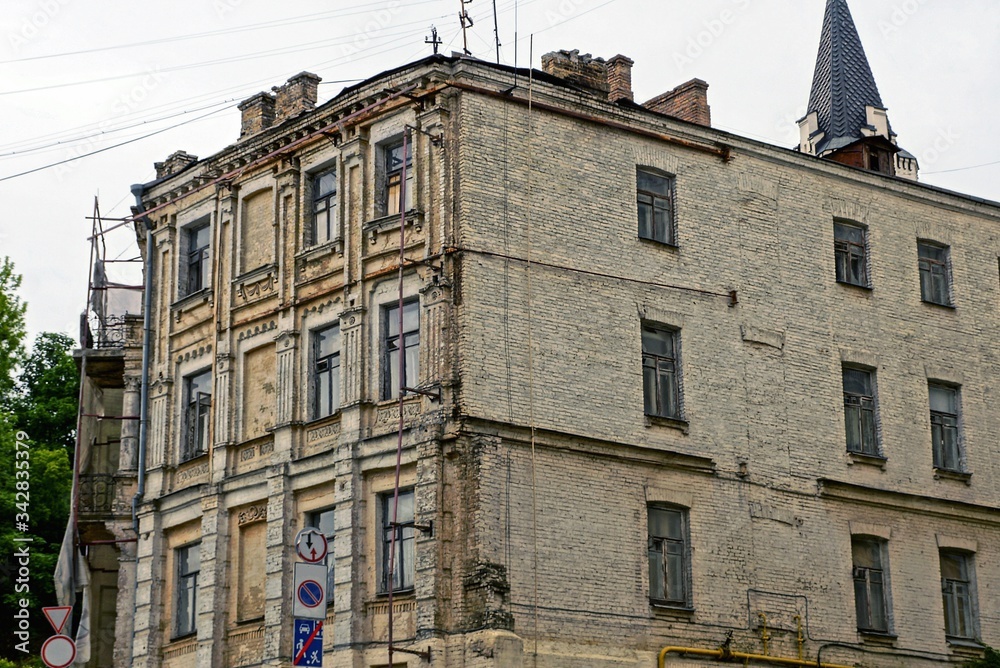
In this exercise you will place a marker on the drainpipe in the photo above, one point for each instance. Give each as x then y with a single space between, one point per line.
144 385
725 654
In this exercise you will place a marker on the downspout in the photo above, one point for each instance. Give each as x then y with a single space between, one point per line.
725 654
144 385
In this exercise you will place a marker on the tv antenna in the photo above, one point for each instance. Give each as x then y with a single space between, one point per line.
466 21
434 40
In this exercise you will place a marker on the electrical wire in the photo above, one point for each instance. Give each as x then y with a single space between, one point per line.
963 169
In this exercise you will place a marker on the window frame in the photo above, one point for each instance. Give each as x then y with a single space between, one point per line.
662 365
332 371
390 341
181 630
391 178
938 421
314 520
682 549
330 201
848 253
197 270
871 577
197 413
405 535
875 447
668 202
950 607
935 274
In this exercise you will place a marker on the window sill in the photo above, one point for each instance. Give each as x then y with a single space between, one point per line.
948 474
665 608
866 459
396 595
318 251
188 302
965 646
879 638
671 423
196 456
383 224
671 245
949 307
867 289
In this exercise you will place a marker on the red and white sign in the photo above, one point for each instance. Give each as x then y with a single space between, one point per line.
57 616
59 651
311 545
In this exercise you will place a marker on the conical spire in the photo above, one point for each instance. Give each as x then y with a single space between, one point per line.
843 86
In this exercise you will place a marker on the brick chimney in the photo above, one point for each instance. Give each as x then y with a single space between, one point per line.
583 70
258 114
688 102
297 95
619 73
175 162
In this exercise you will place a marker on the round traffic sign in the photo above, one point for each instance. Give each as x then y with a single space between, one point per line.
310 593
59 651
311 545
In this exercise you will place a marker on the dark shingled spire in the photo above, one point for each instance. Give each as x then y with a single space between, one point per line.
843 84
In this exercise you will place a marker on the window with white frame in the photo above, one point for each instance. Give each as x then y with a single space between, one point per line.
325 226
197 406
397 520
326 371
188 564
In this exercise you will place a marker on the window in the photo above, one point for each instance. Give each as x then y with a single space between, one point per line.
323 520
198 240
870 584
326 371
849 248
668 555
402 567
324 194
859 411
934 273
188 565
659 372
391 381
198 401
944 427
394 178
655 198
957 592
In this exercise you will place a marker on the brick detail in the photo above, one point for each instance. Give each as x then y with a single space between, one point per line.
688 102
619 74
297 95
258 114
583 70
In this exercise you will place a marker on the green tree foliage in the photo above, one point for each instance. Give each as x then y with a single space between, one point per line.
991 659
11 327
38 396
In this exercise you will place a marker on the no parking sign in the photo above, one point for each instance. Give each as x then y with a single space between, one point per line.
310 591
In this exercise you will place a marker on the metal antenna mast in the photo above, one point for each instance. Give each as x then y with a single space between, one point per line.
496 30
466 21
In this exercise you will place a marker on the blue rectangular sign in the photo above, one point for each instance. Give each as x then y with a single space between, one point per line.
307 649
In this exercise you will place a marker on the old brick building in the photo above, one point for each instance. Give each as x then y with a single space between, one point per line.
665 386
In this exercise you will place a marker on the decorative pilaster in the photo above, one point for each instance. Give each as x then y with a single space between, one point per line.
212 583
158 429
147 637
434 325
223 414
352 365
287 343
281 529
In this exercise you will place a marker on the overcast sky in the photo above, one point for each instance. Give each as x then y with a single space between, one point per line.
82 75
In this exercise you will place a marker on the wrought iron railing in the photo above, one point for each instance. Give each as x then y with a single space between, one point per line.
98 493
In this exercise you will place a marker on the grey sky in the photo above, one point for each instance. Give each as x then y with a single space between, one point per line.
934 61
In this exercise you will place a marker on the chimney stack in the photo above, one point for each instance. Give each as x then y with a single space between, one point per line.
688 102
175 162
258 114
619 73
296 96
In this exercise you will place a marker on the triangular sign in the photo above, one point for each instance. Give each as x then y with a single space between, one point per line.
57 616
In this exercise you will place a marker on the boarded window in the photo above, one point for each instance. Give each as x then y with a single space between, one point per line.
259 391
252 575
257 231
